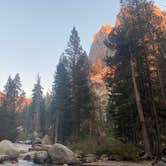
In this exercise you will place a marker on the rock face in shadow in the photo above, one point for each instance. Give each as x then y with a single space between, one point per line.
60 154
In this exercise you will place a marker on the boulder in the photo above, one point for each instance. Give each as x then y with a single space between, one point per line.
8 148
116 157
46 140
104 157
37 141
89 158
41 157
160 163
60 154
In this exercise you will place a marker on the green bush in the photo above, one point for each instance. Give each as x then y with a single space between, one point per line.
86 145
112 146
107 145
8 125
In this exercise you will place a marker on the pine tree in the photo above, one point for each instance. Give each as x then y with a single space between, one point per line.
84 93
133 40
11 103
37 104
8 100
61 102
78 72
8 125
14 95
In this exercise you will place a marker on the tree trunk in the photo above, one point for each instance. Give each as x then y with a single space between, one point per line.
56 129
140 111
36 121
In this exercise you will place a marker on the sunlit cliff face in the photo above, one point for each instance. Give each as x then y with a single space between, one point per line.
98 48
99 51
162 15
99 72
105 29
97 54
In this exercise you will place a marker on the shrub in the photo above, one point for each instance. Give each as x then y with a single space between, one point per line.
86 145
107 145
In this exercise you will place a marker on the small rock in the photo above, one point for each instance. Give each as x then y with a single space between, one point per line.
160 163
89 158
104 157
116 157
28 142
37 141
78 155
41 157
163 159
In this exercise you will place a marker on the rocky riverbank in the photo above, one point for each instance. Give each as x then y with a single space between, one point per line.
40 153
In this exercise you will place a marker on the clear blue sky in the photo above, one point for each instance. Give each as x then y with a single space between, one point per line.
33 34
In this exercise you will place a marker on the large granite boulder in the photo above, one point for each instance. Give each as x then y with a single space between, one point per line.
60 154
8 148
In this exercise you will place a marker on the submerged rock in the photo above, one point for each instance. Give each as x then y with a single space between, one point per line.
29 156
60 154
41 157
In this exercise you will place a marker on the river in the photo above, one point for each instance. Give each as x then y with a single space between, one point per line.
26 163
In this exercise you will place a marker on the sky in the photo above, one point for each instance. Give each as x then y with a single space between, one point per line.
34 33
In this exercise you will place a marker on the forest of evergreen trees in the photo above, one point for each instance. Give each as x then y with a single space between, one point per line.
133 111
